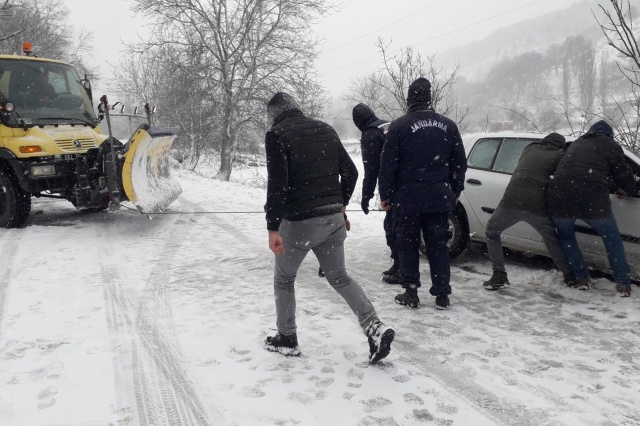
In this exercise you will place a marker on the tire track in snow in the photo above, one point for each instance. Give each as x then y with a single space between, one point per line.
164 393
488 404
8 249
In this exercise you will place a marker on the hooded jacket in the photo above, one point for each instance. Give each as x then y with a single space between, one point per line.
310 173
371 144
580 188
528 185
423 162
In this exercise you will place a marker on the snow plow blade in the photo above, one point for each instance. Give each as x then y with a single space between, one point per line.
146 177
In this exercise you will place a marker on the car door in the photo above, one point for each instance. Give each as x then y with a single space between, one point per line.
627 213
490 164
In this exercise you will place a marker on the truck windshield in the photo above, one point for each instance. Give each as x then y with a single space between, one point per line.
45 93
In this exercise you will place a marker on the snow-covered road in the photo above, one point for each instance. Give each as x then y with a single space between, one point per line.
115 319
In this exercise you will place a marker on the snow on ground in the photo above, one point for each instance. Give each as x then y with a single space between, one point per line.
116 319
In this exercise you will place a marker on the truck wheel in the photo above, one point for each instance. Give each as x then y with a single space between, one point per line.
458 236
15 203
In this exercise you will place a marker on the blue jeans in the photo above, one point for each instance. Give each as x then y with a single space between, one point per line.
607 228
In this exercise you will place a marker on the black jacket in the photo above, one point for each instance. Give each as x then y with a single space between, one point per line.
580 188
309 172
371 144
528 185
423 162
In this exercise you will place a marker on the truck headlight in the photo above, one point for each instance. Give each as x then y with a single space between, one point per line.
48 170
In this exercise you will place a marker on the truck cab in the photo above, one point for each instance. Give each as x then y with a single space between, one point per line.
48 136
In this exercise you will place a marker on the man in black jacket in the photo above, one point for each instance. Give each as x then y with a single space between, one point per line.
310 181
422 175
525 200
371 143
580 190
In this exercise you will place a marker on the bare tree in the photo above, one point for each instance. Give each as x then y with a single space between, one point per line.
586 72
620 35
44 23
6 12
250 47
386 90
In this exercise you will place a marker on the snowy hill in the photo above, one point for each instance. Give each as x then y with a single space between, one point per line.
477 58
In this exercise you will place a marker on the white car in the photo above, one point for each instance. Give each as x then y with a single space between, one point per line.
491 158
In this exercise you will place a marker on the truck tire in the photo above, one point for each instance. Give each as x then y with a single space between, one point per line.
15 203
458 235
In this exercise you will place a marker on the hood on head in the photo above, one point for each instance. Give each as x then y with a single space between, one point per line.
555 139
279 104
603 128
419 92
363 116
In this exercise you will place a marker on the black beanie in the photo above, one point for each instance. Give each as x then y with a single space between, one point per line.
603 128
280 103
419 92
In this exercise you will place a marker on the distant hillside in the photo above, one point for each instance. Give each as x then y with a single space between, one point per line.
477 58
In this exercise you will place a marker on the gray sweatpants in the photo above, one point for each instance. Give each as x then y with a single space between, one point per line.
505 218
324 235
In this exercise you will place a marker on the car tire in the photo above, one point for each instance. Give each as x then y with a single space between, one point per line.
458 235
15 202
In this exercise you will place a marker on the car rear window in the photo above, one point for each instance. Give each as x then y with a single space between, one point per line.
483 152
509 154
498 154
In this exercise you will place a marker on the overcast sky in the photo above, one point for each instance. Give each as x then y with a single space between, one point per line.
349 33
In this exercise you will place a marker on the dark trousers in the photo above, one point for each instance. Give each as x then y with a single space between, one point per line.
388 233
434 227
504 218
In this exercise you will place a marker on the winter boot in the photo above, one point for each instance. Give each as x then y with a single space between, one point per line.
569 280
393 270
580 284
286 345
409 298
380 338
442 302
393 279
498 280
624 290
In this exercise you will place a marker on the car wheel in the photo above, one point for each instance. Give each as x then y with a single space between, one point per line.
458 236
15 203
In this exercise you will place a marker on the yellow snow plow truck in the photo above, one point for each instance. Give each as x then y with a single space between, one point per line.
51 146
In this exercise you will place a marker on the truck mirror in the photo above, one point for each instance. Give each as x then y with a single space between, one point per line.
86 83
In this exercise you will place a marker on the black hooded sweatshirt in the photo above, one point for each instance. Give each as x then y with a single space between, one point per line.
310 173
528 185
371 144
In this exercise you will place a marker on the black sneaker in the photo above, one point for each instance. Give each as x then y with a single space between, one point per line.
409 299
380 338
393 270
498 280
442 302
286 345
393 279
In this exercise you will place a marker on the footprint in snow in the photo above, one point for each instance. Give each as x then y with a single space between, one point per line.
411 398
